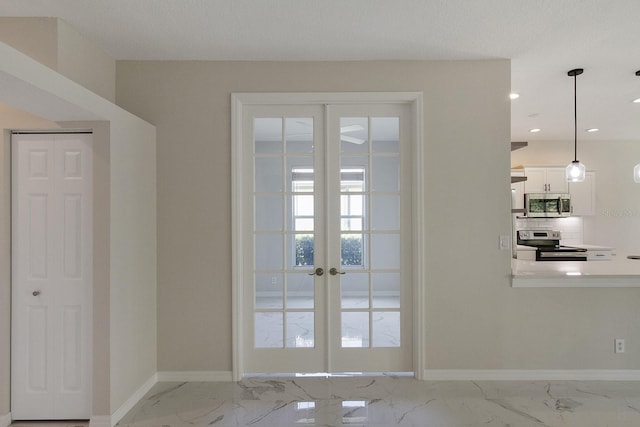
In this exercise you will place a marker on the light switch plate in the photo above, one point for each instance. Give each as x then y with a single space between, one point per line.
505 243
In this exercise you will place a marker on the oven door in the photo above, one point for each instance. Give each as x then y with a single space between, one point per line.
561 254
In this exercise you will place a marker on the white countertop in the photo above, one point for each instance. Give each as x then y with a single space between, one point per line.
618 272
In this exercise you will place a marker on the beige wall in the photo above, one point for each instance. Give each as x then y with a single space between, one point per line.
466 122
56 44
35 37
124 221
85 63
474 319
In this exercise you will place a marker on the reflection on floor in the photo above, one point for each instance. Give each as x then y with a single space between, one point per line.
388 401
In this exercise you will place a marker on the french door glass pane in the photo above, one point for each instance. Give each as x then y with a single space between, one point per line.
268 213
268 135
354 134
385 134
268 254
355 329
269 290
385 174
386 329
386 290
299 135
300 291
385 251
385 212
268 328
355 290
300 329
268 172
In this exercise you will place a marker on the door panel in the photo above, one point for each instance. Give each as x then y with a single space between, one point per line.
51 279
283 155
370 211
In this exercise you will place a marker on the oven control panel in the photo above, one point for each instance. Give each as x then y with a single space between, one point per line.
539 235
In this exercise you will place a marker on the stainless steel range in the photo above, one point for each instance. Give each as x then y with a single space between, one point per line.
548 248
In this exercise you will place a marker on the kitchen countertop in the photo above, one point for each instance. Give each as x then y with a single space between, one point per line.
617 272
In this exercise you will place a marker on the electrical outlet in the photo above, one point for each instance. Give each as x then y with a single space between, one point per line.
505 243
619 345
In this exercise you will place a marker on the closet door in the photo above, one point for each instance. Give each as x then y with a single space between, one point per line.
51 276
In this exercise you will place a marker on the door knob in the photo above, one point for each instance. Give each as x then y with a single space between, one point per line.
36 293
333 271
318 272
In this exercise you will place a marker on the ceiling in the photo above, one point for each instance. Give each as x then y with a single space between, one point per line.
543 38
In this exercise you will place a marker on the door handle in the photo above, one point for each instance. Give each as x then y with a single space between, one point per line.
333 271
318 272
35 293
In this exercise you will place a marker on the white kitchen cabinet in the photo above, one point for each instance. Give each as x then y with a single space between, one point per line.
546 180
583 195
517 189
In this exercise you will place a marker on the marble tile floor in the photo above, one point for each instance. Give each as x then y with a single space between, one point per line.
388 401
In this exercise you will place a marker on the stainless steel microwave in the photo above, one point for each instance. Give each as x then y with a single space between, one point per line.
547 205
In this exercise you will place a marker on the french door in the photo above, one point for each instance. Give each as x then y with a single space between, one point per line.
326 253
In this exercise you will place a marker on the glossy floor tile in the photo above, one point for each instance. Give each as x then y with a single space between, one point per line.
388 401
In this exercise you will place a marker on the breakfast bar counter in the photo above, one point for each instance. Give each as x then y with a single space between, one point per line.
618 272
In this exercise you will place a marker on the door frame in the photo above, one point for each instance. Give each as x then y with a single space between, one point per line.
238 103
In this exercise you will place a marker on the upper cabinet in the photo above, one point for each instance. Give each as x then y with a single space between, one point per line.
583 196
517 190
545 180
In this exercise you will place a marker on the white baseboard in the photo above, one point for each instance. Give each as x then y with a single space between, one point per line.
195 376
131 401
5 420
100 421
531 375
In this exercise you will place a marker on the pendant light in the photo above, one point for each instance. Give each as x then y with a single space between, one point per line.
636 169
576 171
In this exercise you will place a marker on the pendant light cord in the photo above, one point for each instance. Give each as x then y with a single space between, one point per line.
575 73
575 117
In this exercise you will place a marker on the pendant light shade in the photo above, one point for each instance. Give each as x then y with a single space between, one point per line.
576 171
636 173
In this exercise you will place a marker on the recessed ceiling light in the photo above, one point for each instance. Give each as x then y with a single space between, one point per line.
574 273
534 130
636 101
593 130
513 96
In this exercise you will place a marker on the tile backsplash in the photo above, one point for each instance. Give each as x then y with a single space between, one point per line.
571 227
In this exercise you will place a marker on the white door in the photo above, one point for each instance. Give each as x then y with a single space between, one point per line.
51 276
327 264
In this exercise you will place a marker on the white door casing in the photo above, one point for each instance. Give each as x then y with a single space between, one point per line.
51 276
331 113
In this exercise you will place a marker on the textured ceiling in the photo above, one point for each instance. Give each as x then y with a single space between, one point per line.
543 38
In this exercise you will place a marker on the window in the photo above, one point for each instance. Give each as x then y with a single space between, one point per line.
303 212
352 215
